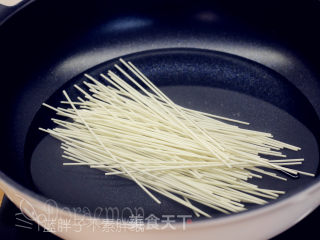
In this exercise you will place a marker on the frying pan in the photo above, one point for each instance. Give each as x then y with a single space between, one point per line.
215 57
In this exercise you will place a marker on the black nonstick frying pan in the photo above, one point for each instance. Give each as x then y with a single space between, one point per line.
256 63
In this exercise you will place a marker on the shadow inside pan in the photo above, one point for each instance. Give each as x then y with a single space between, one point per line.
209 81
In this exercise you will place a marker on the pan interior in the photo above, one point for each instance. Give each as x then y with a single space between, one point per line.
209 81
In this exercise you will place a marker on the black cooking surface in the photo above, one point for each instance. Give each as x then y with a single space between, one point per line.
207 81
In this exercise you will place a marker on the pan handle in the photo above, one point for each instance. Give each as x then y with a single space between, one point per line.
9 7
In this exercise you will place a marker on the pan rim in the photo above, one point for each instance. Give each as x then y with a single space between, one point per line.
227 219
